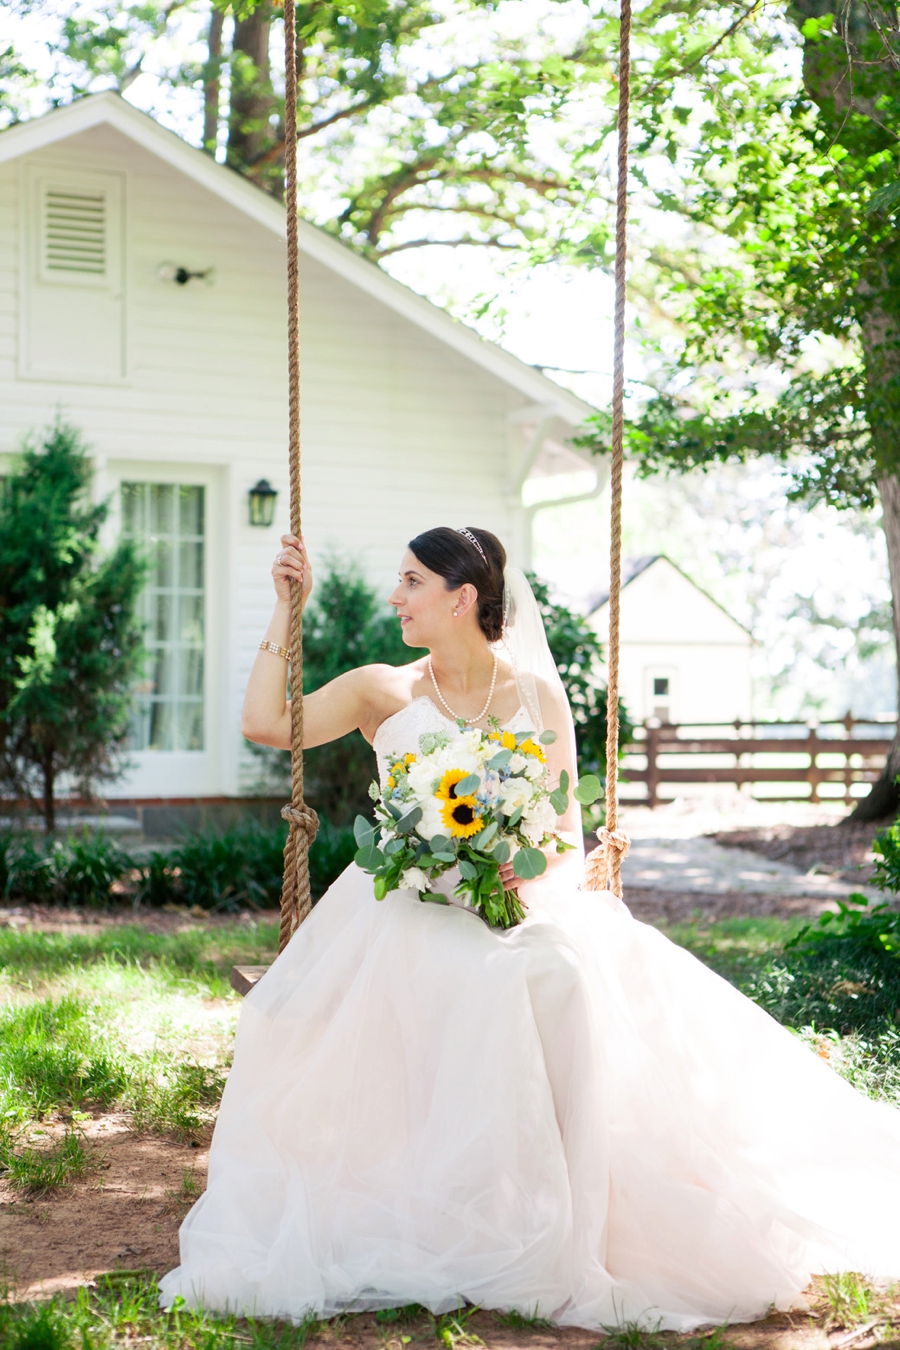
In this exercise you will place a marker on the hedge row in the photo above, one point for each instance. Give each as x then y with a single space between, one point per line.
224 871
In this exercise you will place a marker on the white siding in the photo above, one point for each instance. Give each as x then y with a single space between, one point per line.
400 432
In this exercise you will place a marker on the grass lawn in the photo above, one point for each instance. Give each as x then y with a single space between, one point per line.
114 1045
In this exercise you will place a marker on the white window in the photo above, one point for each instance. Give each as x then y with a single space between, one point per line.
169 520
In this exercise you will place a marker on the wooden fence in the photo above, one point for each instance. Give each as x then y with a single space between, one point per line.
846 752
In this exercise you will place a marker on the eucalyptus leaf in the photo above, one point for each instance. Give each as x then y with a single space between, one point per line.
548 737
440 843
560 802
444 857
529 863
515 817
482 839
369 859
588 789
466 786
394 810
501 852
467 869
409 822
363 831
394 846
563 780
500 760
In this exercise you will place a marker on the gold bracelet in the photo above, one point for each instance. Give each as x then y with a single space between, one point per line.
266 646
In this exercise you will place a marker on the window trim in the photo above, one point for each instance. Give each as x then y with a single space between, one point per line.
182 773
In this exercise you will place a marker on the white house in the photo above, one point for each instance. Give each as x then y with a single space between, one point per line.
683 658
142 293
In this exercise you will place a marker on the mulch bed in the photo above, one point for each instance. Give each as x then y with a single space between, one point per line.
842 851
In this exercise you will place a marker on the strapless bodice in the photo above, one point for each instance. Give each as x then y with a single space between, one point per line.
399 734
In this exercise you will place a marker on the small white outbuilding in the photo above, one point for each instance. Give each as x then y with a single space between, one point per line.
142 295
683 658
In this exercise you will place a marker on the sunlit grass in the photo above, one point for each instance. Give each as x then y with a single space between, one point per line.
119 1019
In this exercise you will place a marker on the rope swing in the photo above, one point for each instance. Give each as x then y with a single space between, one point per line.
302 820
603 864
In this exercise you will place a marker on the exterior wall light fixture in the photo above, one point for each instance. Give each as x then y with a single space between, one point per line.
168 271
262 503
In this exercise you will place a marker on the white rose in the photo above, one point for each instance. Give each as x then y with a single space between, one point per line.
413 879
538 820
517 763
432 822
515 792
534 768
421 777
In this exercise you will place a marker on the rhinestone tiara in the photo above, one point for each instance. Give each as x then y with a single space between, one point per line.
461 529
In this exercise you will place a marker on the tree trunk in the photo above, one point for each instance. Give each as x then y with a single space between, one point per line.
250 134
49 802
884 799
212 84
840 80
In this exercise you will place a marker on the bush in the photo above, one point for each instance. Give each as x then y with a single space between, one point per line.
218 871
76 872
841 974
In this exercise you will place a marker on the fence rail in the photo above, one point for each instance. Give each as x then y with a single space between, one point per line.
850 752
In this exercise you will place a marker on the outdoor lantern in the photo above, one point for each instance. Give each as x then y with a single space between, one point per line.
262 503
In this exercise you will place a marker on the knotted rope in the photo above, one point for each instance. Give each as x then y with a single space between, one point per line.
302 820
603 864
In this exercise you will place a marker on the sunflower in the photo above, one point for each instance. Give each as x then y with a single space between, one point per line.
506 739
447 789
460 815
532 748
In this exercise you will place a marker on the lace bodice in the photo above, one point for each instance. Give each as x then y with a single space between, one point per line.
399 733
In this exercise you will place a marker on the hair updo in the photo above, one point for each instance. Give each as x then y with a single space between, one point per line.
455 558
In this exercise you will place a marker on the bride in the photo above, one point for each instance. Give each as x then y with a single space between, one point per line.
572 1117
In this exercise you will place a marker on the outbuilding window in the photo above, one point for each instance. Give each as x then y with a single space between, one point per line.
168 519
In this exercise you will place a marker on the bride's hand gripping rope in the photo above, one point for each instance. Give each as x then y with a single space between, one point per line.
292 564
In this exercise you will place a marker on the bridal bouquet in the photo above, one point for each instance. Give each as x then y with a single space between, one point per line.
473 801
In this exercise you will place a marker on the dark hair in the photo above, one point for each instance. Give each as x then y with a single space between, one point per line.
458 561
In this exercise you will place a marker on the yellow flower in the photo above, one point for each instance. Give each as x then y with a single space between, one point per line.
532 748
506 739
460 815
409 759
389 781
448 783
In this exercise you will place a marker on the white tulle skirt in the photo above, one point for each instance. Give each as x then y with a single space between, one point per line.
574 1117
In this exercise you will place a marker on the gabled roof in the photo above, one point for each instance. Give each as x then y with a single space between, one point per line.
112 110
632 568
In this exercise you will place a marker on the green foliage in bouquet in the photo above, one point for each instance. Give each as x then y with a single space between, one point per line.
474 803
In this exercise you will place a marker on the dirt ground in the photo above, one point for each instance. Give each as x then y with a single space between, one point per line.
842 851
125 1218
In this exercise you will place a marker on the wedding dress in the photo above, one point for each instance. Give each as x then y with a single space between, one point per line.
573 1117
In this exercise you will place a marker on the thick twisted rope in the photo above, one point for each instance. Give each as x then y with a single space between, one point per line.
603 864
302 822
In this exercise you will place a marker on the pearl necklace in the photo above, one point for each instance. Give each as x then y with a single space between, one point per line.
469 721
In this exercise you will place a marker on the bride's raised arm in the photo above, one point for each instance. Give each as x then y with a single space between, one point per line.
352 700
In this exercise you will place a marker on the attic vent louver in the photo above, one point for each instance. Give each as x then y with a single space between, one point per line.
75 231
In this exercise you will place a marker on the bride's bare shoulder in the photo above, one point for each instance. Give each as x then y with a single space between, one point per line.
386 689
